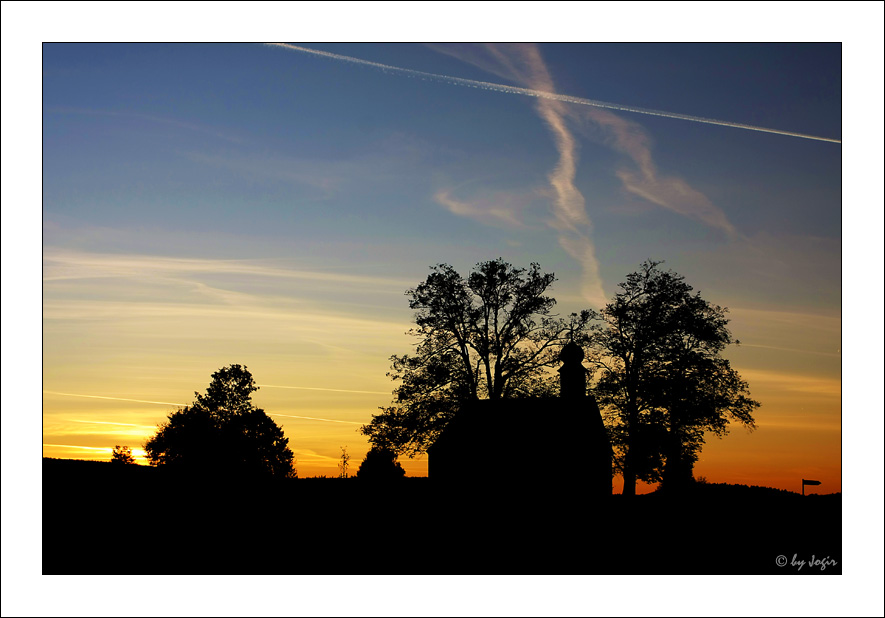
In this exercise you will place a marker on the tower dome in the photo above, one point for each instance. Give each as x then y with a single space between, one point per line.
571 353
572 374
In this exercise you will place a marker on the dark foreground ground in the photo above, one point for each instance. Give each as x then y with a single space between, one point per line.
94 513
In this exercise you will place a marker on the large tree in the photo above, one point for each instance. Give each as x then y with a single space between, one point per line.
223 433
663 380
490 335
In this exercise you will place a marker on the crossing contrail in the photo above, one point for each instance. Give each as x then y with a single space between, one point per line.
472 83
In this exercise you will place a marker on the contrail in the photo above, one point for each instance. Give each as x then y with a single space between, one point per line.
90 448
110 423
333 390
313 418
472 83
163 403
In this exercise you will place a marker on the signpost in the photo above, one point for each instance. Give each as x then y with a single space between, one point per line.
808 482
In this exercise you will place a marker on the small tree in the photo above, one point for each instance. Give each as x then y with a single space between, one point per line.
223 432
122 455
380 464
342 465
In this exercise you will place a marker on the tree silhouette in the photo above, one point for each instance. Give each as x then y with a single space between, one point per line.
343 463
489 336
663 380
380 464
122 455
223 433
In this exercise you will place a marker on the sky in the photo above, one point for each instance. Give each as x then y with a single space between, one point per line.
215 204
209 204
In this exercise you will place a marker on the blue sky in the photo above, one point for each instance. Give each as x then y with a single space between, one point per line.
244 151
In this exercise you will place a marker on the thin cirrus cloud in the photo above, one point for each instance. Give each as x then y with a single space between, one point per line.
805 322
330 390
498 210
74 420
645 181
304 455
788 331
106 449
194 305
213 304
59 264
251 319
151 118
312 418
392 161
793 385
163 403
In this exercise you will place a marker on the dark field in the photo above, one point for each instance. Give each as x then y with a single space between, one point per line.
94 513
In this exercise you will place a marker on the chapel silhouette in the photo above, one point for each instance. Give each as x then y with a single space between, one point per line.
544 441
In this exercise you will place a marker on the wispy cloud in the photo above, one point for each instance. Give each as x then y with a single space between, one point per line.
497 210
392 161
72 420
325 178
836 354
314 418
304 455
582 250
75 450
331 390
60 264
106 449
793 332
173 122
524 64
793 383
340 327
645 180
801 422
172 297
163 403
780 318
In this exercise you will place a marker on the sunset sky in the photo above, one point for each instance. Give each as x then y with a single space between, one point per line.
212 204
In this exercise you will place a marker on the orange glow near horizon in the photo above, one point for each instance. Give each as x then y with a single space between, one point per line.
322 371
798 433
